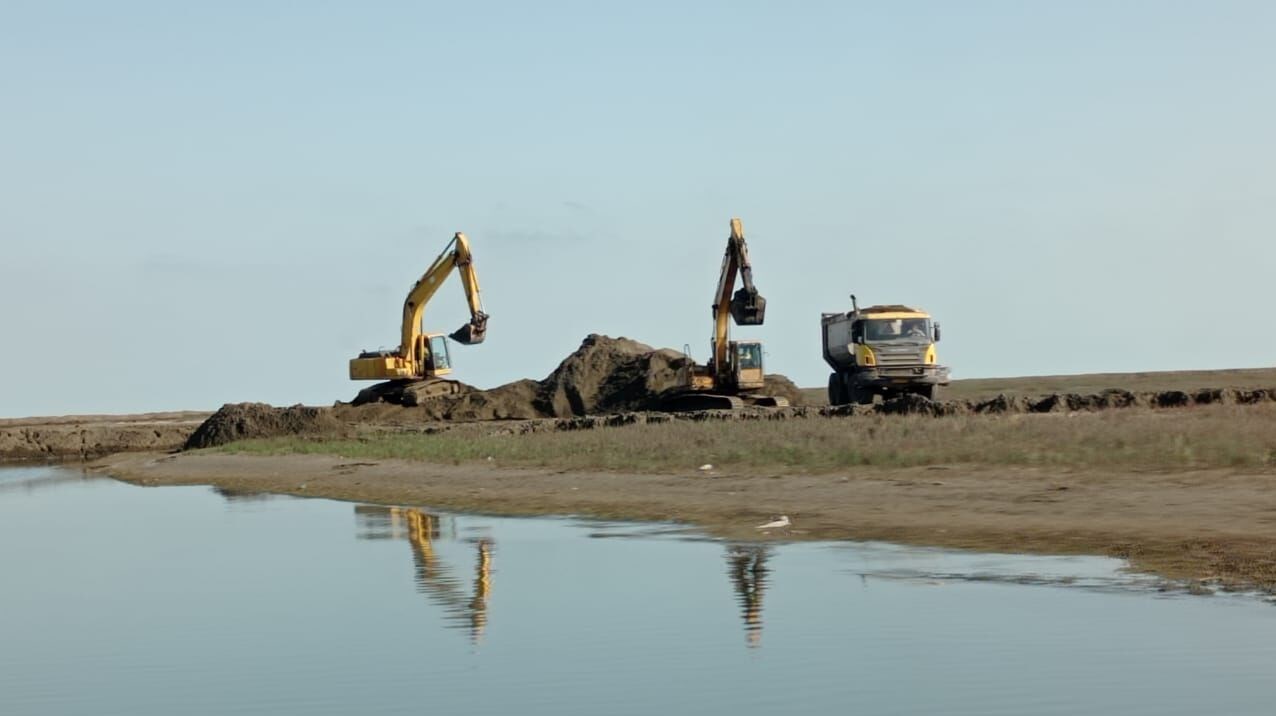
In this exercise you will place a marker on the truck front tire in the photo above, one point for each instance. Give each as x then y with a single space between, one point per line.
836 390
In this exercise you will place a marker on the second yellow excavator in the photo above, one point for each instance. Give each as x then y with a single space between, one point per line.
734 376
424 356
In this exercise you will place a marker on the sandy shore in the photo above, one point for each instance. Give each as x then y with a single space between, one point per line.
1212 525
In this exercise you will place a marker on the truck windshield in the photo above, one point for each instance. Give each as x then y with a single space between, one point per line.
911 330
749 355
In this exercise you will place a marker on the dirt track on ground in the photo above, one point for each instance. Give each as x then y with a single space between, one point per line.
1215 527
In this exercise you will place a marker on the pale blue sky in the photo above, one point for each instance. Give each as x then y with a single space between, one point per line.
213 202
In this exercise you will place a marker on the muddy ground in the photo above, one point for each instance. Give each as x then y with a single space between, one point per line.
1207 527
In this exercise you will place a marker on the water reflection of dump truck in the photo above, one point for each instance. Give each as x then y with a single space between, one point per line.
884 350
434 577
424 356
734 376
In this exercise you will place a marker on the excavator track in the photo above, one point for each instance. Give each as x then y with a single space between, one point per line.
693 402
767 401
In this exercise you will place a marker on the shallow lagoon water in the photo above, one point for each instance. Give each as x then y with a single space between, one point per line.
125 600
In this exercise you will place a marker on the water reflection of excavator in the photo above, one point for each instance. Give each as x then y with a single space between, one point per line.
424 356
434 578
748 570
734 376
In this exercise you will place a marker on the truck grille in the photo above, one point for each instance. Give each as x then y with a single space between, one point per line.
887 357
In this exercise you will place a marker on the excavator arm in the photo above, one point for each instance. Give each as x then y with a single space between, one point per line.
455 256
746 306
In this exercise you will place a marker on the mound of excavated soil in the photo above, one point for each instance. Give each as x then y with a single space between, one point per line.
604 375
241 421
608 375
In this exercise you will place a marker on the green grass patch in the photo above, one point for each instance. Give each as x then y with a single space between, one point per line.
1202 437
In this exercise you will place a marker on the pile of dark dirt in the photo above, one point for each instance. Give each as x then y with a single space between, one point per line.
910 404
242 421
1109 399
608 375
604 375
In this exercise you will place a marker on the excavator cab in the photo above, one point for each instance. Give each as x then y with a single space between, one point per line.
743 369
438 360
747 365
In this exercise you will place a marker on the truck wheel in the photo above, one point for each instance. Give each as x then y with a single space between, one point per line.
835 390
858 395
929 392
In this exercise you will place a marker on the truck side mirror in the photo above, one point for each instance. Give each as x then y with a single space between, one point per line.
936 332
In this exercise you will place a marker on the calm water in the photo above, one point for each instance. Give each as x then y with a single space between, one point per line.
124 600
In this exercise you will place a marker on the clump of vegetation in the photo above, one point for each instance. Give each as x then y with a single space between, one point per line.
1216 436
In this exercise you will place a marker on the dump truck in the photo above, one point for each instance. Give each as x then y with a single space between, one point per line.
886 350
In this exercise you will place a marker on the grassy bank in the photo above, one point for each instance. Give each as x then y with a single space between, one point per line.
1195 438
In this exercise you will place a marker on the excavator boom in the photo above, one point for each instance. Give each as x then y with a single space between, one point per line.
748 307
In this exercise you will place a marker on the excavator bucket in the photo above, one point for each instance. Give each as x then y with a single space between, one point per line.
748 309
471 333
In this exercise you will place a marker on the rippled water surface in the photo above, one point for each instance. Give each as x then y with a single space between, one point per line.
124 600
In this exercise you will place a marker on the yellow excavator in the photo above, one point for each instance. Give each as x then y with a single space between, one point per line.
424 356
734 375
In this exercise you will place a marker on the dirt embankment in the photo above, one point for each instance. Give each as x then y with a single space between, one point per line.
606 382
604 375
84 437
